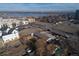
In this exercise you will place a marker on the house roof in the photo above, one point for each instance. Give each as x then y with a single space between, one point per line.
4 33
10 31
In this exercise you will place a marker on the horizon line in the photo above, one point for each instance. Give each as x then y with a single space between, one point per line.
37 10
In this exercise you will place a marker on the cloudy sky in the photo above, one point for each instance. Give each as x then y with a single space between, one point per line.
37 7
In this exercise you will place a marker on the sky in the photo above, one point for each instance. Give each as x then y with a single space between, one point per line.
38 6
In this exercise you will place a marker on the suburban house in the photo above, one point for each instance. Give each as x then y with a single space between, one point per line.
31 19
25 22
9 34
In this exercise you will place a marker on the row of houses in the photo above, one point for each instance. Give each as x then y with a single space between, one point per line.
18 22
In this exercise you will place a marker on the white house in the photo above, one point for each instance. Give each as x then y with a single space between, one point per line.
31 19
11 36
25 22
